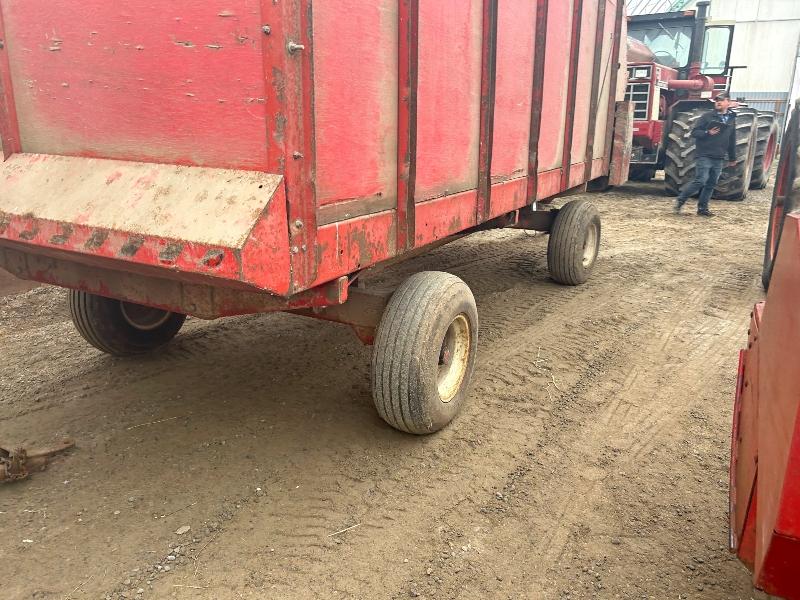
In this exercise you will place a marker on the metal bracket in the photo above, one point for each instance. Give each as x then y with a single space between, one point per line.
16 465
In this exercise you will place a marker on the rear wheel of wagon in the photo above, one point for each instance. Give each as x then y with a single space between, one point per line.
574 243
122 328
424 353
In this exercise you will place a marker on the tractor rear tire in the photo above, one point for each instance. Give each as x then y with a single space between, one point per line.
574 243
680 153
679 169
424 353
766 146
122 328
735 181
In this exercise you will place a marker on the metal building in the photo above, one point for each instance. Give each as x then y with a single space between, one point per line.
766 41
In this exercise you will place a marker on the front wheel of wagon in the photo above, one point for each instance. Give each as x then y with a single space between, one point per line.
424 353
122 328
574 243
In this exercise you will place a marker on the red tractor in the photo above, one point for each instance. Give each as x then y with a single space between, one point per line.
677 62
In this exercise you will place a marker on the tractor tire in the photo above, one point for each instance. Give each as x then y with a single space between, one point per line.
679 168
424 353
777 216
680 152
122 328
766 146
574 243
735 181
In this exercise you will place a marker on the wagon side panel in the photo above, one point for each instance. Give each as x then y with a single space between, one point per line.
355 106
556 80
179 82
450 36
512 115
607 64
584 100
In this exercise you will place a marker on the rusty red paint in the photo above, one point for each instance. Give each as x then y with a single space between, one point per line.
539 64
616 69
572 91
355 244
487 107
594 96
442 217
9 125
408 81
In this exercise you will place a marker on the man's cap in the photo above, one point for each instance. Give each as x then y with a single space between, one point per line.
722 96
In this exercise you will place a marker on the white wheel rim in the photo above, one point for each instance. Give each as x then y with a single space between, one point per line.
454 358
590 245
143 318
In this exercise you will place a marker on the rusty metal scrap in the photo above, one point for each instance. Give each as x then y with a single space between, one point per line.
19 463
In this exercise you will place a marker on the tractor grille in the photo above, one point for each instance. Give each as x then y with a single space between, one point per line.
639 94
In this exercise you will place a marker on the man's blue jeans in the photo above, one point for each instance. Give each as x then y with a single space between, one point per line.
707 172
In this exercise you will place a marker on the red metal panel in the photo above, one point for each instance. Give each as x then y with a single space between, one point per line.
598 168
607 63
618 67
450 34
572 90
515 63
355 99
9 126
288 62
778 487
744 447
556 78
408 83
144 80
508 196
442 217
576 175
136 214
594 95
487 111
549 184
539 69
584 94
355 244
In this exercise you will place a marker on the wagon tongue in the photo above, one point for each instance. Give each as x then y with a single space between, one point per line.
224 227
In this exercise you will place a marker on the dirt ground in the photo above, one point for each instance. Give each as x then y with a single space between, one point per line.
591 461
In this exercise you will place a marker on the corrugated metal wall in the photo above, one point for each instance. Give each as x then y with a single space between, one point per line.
648 7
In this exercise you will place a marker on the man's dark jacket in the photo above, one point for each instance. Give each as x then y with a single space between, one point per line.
716 146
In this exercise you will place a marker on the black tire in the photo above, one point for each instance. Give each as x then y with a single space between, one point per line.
777 216
735 181
785 196
679 167
121 328
424 353
766 145
679 164
574 243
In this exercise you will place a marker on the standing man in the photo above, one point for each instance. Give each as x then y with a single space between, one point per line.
715 135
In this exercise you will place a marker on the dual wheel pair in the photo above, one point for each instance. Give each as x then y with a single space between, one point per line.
426 342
